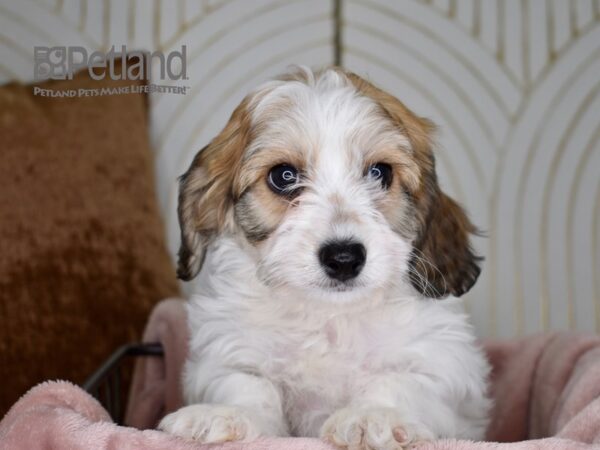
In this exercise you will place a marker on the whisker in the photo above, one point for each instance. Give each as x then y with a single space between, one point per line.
423 282
426 263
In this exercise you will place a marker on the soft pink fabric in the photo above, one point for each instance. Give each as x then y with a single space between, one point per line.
155 388
546 388
59 415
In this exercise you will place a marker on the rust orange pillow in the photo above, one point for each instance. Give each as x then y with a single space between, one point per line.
82 255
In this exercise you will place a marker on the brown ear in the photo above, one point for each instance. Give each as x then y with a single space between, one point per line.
442 262
442 255
206 192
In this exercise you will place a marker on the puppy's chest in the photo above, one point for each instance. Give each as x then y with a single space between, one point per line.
311 354
329 361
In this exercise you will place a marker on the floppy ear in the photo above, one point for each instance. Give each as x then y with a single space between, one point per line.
206 192
442 254
442 257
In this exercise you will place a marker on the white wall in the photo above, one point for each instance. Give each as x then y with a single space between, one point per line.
512 84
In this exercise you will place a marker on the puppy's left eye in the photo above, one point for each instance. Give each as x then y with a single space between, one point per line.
381 172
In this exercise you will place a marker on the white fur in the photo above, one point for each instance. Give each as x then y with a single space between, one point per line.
276 351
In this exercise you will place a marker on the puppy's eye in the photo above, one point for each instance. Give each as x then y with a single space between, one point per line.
282 179
381 172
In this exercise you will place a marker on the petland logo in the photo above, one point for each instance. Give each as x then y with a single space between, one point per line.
61 63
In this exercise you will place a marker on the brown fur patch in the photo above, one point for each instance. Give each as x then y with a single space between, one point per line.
207 191
259 211
445 243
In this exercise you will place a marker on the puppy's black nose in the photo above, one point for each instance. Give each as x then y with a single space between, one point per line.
342 260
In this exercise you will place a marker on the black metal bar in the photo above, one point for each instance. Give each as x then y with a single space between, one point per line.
147 349
337 33
108 398
116 375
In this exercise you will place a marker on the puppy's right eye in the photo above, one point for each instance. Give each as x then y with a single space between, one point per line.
282 179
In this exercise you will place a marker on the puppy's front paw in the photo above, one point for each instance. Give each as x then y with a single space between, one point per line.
370 429
211 423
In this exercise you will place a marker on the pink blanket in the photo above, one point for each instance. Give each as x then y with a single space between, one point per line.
546 389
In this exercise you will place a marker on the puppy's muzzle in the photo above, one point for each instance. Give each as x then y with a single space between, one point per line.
342 260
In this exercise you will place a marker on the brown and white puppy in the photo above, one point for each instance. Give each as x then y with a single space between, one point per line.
324 240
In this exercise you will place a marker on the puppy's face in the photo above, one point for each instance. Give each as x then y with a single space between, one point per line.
332 182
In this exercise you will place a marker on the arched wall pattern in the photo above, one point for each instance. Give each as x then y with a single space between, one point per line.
512 84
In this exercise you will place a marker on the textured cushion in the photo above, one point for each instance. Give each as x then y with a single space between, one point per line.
82 257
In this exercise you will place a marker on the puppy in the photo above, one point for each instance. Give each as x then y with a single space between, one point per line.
325 242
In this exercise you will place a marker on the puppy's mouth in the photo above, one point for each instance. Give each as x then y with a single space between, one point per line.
341 286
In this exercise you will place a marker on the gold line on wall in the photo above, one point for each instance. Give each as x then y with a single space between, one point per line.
79 27
40 3
493 249
572 20
524 177
156 26
181 15
503 24
596 255
272 6
476 18
592 145
247 45
500 34
498 97
6 41
525 45
131 21
431 64
550 31
83 15
549 67
106 25
452 8
29 26
492 274
543 236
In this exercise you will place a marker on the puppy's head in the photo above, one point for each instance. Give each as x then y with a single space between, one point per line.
333 183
